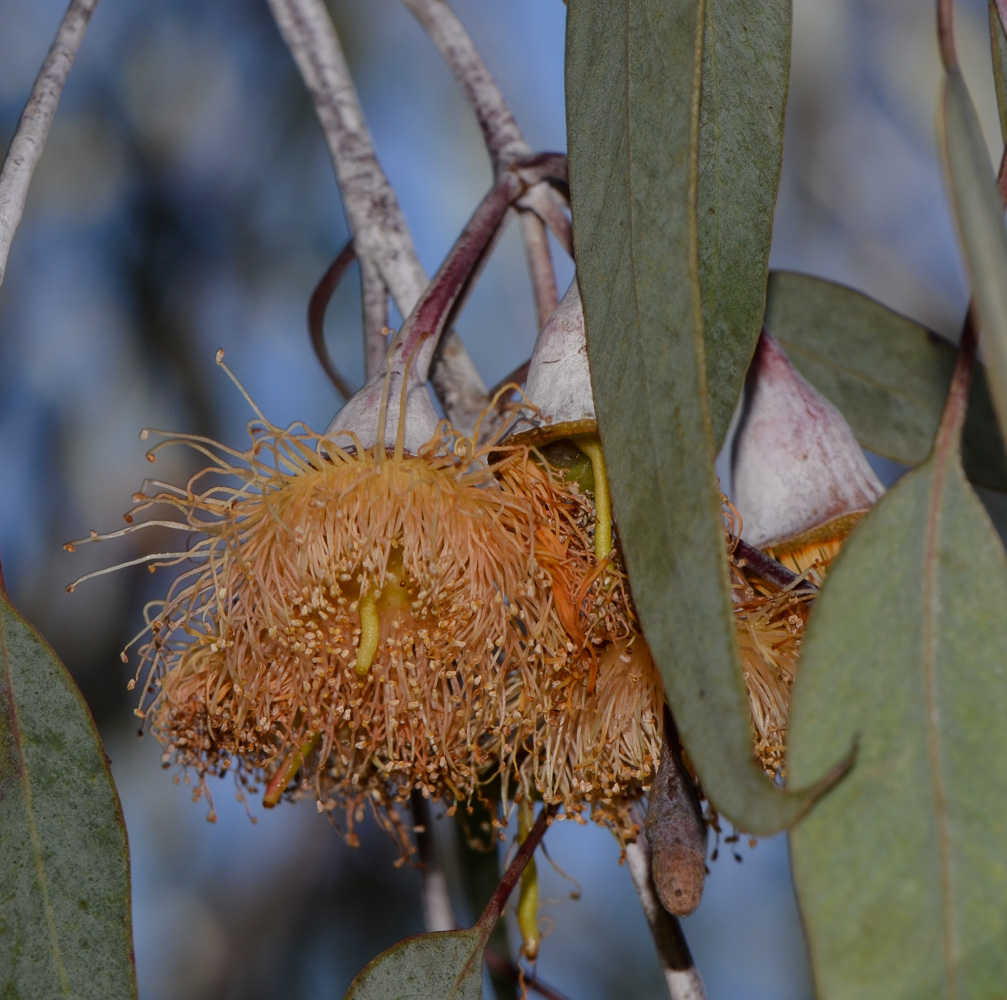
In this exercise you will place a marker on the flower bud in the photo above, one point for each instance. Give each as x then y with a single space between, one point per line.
798 473
800 484
559 380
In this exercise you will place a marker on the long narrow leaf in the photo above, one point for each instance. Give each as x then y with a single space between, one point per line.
65 927
998 46
633 75
746 70
980 217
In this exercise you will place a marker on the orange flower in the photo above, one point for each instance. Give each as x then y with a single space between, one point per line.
801 483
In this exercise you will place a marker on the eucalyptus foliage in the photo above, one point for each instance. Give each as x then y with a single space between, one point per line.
895 787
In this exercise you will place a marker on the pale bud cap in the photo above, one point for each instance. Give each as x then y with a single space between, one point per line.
797 465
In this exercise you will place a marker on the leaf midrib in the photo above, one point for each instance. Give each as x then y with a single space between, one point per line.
943 457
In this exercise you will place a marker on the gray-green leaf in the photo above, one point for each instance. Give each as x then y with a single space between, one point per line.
998 46
446 965
746 71
65 929
980 217
901 870
633 123
888 375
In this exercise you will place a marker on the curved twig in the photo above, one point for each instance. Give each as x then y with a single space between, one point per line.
379 229
36 119
501 133
317 304
438 914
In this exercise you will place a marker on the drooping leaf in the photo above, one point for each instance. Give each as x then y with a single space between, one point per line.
980 217
633 125
65 926
998 44
888 375
901 870
746 71
444 964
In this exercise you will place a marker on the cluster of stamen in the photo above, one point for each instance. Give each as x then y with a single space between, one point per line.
359 625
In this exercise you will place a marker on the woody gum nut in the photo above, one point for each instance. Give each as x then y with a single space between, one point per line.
796 463
676 832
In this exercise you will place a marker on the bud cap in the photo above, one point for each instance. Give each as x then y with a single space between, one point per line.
797 466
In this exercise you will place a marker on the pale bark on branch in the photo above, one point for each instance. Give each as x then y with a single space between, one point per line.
381 237
36 119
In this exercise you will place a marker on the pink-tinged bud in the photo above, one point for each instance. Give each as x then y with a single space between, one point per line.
393 407
559 380
798 472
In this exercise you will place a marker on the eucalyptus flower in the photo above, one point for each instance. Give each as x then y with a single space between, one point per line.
800 484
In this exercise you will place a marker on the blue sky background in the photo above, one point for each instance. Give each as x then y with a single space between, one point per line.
185 202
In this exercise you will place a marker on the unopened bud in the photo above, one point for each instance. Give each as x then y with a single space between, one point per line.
798 472
559 380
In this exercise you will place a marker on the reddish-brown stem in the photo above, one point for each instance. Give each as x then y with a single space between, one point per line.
768 568
446 293
953 419
510 877
317 304
946 34
504 140
506 969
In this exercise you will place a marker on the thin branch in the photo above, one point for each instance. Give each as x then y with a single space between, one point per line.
438 913
504 139
507 970
680 973
317 304
33 129
374 304
446 294
946 35
749 557
510 877
379 229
